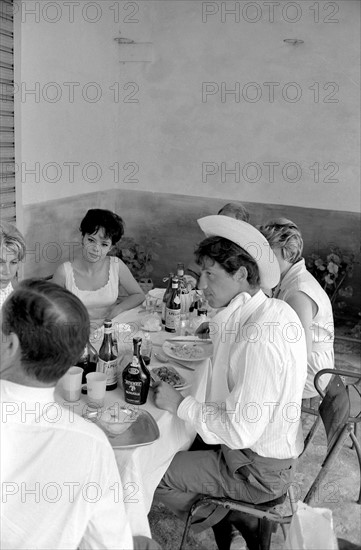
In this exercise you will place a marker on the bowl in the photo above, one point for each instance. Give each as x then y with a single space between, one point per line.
116 419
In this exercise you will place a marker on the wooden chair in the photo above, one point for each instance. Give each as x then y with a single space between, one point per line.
256 523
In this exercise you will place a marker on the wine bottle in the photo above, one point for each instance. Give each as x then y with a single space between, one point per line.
107 361
136 377
173 308
181 280
166 295
88 361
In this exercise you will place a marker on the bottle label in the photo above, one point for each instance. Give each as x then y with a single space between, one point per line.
132 391
133 370
176 300
110 369
172 318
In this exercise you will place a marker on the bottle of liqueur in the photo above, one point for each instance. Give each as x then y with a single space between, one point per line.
136 377
166 295
107 361
88 361
173 308
202 308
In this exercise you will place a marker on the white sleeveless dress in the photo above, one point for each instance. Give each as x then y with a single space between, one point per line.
4 293
97 301
298 279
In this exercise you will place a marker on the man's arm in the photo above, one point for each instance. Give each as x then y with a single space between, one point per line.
241 418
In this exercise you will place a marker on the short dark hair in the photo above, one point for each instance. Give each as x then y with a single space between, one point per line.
96 219
230 256
235 210
52 326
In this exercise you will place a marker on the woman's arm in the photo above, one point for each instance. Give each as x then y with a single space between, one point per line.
59 276
135 293
306 309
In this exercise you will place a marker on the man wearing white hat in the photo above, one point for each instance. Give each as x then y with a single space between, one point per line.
253 402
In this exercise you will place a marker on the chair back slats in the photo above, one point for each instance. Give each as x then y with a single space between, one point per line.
334 410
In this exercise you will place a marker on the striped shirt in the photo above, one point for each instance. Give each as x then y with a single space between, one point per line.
258 374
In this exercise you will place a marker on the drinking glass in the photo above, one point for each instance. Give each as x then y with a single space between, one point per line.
72 380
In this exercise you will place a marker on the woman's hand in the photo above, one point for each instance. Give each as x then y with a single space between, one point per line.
166 397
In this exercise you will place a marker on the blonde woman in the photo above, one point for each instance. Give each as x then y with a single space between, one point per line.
12 252
304 294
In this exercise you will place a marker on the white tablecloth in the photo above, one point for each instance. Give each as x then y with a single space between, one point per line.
142 468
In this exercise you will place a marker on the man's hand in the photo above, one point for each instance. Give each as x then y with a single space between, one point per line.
203 331
166 397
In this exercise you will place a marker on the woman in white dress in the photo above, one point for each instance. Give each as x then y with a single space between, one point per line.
305 295
94 276
12 252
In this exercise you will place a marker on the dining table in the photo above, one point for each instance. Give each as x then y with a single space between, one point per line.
141 467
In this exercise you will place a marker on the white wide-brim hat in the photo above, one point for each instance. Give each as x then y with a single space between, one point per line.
248 238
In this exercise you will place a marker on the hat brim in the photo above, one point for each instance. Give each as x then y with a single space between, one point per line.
248 238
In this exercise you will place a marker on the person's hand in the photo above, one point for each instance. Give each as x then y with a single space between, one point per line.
203 331
166 397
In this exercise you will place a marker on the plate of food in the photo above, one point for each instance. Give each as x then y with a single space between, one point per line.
125 426
188 350
169 374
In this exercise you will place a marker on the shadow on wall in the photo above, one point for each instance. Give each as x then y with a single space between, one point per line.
171 220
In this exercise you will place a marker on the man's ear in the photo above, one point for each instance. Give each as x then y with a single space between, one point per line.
10 345
242 274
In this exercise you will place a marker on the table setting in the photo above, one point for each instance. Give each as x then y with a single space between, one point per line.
144 437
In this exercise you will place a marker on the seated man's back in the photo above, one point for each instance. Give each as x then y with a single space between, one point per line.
60 482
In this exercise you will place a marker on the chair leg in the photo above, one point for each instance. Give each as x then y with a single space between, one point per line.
327 464
188 523
223 533
311 434
257 532
357 447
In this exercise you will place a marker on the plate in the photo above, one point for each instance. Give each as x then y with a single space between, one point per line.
118 328
158 294
182 386
143 431
187 351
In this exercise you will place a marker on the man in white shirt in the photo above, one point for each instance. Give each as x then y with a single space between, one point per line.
59 479
253 403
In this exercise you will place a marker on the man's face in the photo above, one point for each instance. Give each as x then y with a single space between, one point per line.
219 287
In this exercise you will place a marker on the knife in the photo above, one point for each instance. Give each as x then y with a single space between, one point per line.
188 341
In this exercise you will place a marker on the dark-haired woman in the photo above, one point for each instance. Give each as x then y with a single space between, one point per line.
95 277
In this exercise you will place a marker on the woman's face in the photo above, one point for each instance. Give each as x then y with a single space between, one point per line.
9 264
96 246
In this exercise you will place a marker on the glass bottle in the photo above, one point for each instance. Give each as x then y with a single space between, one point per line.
146 348
136 377
166 295
180 275
88 360
108 359
173 308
